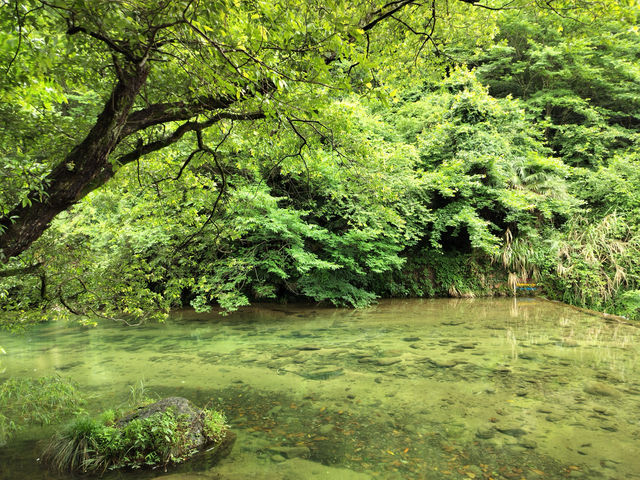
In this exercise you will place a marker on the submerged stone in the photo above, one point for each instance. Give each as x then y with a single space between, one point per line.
309 347
528 443
511 430
291 452
486 433
323 373
69 366
326 428
444 363
611 464
609 376
610 427
601 390
503 370
286 353
366 360
603 410
526 356
388 361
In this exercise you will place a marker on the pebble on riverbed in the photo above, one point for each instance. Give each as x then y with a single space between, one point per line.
486 433
290 452
602 390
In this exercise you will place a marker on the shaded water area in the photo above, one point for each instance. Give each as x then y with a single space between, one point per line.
412 389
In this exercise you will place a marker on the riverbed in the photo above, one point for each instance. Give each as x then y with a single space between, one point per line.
407 389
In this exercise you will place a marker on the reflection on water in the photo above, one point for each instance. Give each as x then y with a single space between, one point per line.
414 389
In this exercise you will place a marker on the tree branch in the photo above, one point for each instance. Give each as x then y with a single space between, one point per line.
12 272
128 54
142 150
476 3
181 131
223 187
381 14
160 113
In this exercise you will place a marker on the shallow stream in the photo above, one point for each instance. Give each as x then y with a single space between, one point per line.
412 389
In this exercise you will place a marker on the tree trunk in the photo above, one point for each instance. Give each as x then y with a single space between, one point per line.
68 182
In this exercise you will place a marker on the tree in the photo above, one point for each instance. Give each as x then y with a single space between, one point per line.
578 76
156 72
156 63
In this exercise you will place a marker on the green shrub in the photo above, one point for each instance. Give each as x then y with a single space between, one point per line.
215 425
629 304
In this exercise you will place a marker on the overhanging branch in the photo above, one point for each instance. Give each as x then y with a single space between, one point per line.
181 131
383 13
12 272
160 113
147 148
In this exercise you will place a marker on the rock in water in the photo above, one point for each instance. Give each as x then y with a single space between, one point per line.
602 390
215 449
446 363
185 431
323 373
291 452
180 406
511 430
486 433
384 362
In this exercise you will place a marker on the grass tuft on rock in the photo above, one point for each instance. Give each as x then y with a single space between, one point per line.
158 440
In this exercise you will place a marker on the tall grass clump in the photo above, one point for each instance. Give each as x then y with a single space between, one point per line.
36 401
598 265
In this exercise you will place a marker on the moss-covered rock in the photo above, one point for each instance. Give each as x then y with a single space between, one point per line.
169 431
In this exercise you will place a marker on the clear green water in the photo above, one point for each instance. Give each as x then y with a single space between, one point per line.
416 389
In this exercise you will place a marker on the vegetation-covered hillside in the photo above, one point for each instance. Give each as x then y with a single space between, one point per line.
220 153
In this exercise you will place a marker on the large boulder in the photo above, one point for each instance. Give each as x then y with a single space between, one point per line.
166 432
216 446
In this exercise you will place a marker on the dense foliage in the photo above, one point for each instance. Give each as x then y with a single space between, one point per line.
383 160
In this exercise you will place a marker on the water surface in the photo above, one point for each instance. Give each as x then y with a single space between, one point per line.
412 389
